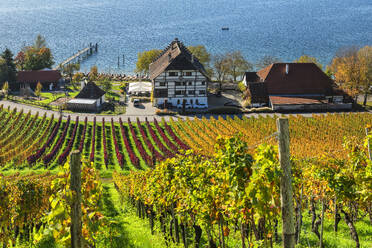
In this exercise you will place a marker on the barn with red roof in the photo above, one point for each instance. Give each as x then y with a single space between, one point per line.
294 86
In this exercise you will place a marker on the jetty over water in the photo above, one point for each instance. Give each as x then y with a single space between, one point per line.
80 56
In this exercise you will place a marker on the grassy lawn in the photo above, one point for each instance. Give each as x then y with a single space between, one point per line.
45 99
126 229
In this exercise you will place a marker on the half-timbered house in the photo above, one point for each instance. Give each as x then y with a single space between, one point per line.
178 78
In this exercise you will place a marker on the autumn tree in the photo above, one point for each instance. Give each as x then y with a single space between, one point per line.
11 70
365 61
237 65
20 60
93 74
38 89
69 70
308 59
201 53
106 84
40 42
145 59
35 57
351 68
328 71
266 61
77 77
6 89
220 66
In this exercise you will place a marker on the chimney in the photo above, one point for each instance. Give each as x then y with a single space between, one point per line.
169 57
286 69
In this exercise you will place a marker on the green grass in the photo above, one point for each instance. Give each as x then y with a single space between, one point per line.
341 239
126 229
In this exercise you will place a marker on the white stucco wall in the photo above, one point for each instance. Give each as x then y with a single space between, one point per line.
174 100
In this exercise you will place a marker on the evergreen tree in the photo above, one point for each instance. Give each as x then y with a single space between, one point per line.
3 71
11 72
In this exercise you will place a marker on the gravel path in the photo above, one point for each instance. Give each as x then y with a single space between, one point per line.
124 117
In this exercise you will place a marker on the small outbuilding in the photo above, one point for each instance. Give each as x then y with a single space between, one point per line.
90 98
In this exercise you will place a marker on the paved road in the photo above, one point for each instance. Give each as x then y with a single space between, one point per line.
132 114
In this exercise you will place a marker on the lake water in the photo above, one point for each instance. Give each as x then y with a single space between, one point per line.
282 28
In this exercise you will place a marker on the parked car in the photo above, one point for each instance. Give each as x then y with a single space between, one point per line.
136 102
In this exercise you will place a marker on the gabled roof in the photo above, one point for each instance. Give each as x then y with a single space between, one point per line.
90 91
42 76
264 72
302 78
175 57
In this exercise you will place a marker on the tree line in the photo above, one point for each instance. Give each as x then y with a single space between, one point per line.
36 56
350 68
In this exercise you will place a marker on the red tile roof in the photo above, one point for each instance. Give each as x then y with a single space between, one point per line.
43 76
284 100
264 72
302 78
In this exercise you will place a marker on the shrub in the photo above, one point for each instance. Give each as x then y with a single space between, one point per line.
165 112
241 87
259 110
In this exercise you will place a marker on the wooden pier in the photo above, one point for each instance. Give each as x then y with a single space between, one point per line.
80 56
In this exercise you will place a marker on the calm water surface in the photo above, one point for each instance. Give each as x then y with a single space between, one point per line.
282 28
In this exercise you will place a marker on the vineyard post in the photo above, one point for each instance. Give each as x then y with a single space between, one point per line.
369 149
75 185
286 191
321 225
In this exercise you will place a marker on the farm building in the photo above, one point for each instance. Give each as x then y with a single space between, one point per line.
294 86
178 78
90 98
48 78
